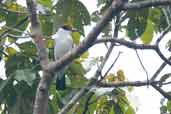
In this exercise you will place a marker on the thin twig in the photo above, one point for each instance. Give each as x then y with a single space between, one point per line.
17 30
163 34
166 83
16 37
142 65
111 65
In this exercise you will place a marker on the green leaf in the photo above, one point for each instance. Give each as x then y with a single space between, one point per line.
5 83
76 68
101 2
147 36
49 43
14 17
46 3
67 12
11 51
130 110
103 106
25 75
112 110
76 37
28 49
55 101
92 106
85 55
155 16
76 75
163 109
95 16
169 106
14 7
164 78
137 23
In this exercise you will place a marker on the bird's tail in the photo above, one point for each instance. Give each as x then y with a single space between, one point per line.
60 80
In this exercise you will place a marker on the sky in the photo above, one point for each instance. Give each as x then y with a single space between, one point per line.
145 99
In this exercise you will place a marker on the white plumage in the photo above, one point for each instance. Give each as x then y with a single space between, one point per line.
63 43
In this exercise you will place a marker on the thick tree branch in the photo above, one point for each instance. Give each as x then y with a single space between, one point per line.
36 33
41 100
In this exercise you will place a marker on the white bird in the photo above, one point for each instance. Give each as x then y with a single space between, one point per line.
63 44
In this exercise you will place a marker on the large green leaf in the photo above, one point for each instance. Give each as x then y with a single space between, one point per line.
67 12
147 36
164 78
76 37
15 15
25 75
103 106
10 51
155 17
137 23
76 75
46 3
28 49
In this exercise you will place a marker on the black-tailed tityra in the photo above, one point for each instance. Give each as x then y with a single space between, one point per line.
63 44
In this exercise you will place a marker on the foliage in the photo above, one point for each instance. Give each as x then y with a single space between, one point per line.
22 66
165 106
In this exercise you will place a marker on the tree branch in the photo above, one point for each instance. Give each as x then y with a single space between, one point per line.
159 70
124 84
165 94
145 4
126 43
41 100
135 46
